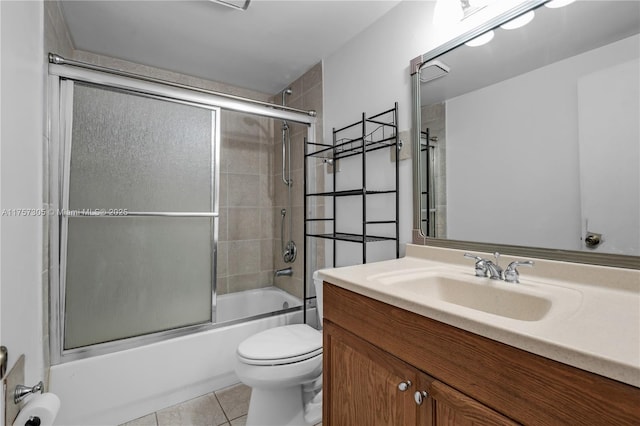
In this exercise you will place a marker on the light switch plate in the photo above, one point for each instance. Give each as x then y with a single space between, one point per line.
404 147
333 166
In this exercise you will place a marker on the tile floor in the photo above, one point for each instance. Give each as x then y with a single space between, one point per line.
226 407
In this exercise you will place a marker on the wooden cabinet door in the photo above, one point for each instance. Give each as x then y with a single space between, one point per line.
362 383
451 407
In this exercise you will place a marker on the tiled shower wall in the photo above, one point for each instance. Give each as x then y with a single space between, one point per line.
245 240
434 118
306 93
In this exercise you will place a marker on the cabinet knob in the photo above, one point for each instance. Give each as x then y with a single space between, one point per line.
403 386
420 396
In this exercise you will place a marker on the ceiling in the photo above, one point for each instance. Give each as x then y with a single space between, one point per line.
264 48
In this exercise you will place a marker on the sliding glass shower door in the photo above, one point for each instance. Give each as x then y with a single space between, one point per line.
138 226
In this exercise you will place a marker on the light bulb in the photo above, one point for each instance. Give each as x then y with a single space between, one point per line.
554 4
481 39
520 21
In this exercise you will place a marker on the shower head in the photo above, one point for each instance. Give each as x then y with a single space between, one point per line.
286 92
432 70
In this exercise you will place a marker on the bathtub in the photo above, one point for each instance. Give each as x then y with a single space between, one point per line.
249 303
121 386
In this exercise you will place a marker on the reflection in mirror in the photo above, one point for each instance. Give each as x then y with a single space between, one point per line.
532 139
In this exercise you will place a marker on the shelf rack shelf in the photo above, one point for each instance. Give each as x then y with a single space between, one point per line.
366 135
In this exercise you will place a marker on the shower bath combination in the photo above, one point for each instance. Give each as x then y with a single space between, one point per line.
132 264
288 249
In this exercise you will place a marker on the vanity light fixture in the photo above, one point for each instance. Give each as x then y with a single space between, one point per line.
481 39
469 7
234 4
520 21
555 4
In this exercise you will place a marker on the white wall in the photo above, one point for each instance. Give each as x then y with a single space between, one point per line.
514 145
371 72
609 107
21 161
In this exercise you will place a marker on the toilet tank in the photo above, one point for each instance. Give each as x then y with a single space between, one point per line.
317 282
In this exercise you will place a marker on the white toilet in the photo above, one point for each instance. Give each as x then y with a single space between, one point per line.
283 366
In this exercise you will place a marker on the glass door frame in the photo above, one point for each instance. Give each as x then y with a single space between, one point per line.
60 90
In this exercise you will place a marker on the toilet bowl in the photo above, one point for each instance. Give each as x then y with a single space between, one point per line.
283 367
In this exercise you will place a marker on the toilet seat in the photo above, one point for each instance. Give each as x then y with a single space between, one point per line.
281 345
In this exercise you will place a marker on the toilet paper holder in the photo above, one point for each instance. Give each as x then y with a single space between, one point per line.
23 391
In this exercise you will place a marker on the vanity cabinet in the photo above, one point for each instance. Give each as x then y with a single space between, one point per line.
373 350
369 386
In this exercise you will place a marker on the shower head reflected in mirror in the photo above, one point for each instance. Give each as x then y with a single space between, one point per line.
432 70
234 4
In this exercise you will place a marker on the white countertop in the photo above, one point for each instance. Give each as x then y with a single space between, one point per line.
598 331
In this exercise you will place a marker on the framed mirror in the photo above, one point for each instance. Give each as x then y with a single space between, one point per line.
529 144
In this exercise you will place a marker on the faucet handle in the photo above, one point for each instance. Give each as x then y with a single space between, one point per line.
481 265
511 274
473 256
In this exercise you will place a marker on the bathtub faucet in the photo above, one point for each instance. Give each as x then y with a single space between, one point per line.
286 272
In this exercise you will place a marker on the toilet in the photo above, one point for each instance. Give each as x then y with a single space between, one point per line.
283 367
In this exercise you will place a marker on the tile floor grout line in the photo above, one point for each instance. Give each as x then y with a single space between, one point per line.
221 407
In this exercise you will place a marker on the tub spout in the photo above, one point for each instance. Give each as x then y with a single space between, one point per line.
286 272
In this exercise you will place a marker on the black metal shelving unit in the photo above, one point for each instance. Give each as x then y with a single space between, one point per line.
424 153
384 135
428 216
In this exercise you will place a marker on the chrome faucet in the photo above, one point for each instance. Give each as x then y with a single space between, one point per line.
486 267
511 274
286 272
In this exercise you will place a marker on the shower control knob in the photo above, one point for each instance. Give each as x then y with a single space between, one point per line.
403 386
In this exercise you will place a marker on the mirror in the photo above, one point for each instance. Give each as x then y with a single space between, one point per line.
530 143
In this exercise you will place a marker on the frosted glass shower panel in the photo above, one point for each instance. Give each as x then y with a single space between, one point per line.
151 163
138 153
132 276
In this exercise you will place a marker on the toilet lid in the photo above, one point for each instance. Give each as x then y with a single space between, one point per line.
281 345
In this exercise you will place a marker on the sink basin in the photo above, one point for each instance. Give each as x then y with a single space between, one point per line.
515 301
487 298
